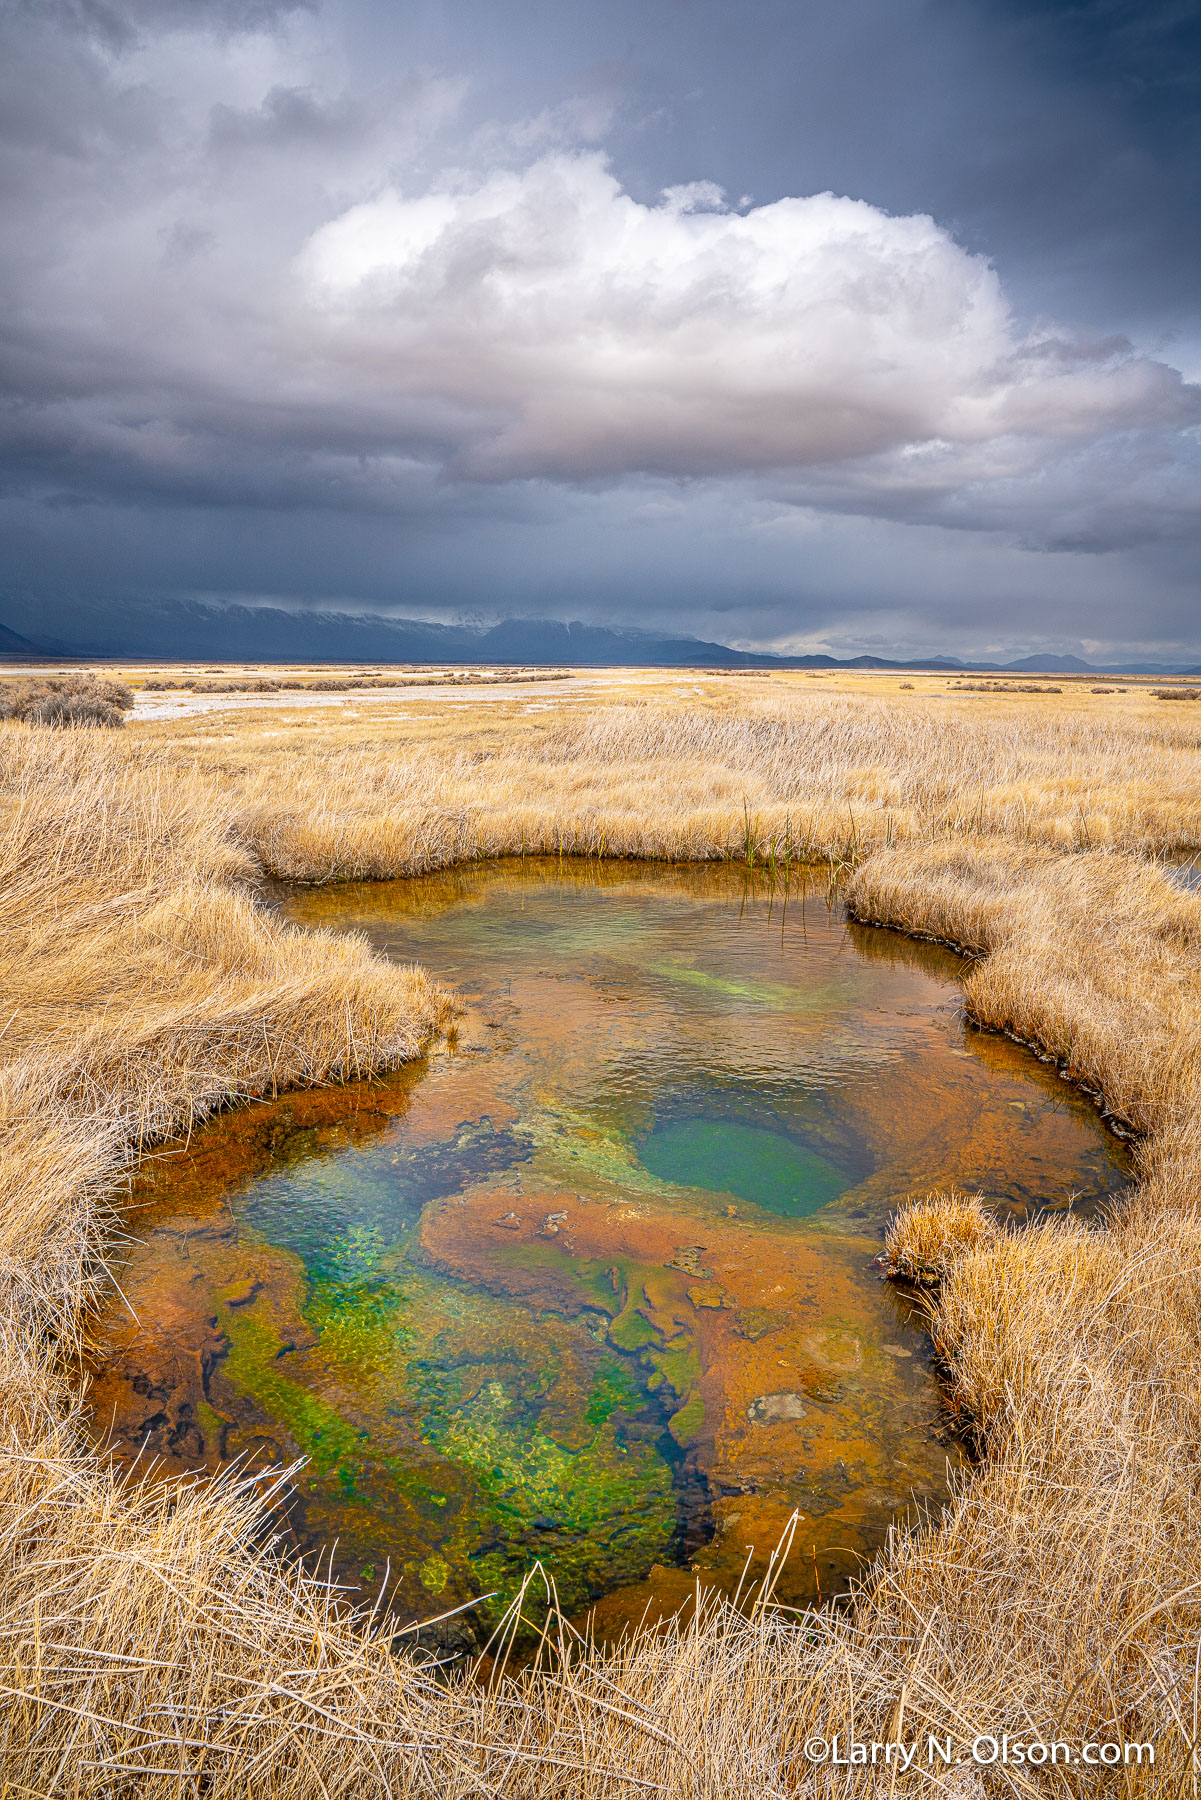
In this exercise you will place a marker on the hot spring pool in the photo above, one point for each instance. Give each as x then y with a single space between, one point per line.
593 1287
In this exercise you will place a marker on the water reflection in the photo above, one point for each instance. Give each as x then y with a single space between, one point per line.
593 1286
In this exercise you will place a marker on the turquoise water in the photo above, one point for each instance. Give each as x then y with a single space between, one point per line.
765 1167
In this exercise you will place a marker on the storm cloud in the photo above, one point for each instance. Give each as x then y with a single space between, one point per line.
263 287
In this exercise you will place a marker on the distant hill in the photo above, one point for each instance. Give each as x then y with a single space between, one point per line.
1052 665
192 631
12 644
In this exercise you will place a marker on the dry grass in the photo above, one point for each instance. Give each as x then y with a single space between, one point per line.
1075 1350
790 774
151 1646
929 1237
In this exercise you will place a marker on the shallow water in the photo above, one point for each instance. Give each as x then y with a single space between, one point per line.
593 1287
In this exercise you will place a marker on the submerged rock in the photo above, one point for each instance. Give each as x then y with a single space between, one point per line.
770 1407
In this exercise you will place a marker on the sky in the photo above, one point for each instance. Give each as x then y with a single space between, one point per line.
813 325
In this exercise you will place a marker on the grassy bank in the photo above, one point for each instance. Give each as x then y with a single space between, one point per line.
708 771
151 1648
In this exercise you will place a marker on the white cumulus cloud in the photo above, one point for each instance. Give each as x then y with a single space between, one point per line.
577 333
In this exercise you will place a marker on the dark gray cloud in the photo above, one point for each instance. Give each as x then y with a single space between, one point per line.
446 308
118 24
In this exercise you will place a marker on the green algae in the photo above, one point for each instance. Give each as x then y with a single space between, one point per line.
677 1364
613 1390
516 1414
331 1442
434 1573
575 1146
581 1503
618 1294
687 1423
823 997
631 1330
541 1425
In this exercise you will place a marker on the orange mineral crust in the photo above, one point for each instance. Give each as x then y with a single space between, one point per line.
787 1387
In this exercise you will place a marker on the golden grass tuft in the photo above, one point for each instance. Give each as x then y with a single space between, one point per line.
928 1237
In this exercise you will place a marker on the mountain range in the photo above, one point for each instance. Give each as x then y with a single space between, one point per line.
197 631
